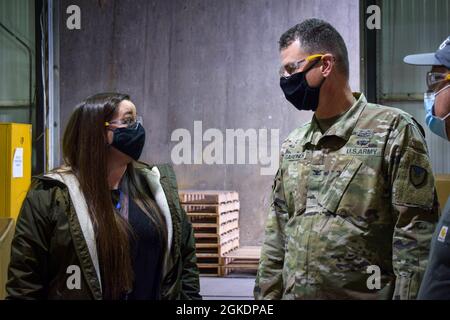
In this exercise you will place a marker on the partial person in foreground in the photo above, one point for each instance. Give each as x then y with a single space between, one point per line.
436 282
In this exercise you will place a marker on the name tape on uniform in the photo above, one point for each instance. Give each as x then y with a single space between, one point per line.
363 151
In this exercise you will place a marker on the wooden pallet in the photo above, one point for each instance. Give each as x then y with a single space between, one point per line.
215 219
210 264
215 248
207 196
210 259
212 218
217 209
214 223
213 270
213 244
246 258
216 238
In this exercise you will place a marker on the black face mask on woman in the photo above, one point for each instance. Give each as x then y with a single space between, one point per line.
130 140
299 93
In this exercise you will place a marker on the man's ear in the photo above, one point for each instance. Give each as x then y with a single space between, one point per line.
328 64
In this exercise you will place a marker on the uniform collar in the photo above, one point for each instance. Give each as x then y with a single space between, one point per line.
343 127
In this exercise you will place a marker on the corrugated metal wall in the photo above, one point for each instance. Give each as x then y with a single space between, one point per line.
409 27
18 16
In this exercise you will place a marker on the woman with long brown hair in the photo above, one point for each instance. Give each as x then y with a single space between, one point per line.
103 226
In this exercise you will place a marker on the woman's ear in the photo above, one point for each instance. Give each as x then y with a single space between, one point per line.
109 135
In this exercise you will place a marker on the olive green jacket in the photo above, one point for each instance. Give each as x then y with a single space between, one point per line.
54 238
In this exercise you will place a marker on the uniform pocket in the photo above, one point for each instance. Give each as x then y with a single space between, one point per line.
334 190
295 183
407 287
402 288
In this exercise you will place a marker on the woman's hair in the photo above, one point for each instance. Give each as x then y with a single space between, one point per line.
85 150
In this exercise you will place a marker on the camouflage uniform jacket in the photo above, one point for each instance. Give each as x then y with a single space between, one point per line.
348 203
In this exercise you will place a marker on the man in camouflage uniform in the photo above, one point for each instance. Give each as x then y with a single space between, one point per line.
353 203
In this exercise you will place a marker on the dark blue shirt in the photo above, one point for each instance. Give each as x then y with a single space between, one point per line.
146 253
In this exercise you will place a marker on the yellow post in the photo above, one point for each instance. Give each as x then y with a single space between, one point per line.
6 237
15 167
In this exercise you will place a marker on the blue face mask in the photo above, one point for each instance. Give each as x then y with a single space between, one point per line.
436 124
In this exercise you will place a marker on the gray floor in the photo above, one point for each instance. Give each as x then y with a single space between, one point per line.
235 287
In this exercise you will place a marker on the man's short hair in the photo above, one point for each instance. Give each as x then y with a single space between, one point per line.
318 36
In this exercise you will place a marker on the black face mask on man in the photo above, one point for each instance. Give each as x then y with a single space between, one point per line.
298 92
129 140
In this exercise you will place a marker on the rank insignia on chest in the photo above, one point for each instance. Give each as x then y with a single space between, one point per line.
363 142
417 176
364 133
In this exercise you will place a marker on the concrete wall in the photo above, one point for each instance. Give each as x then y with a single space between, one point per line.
215 61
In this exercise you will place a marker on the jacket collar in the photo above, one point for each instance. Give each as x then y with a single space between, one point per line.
154 180
343 128
167 182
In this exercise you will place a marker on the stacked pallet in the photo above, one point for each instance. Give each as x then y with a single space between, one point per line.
215 219
243 258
